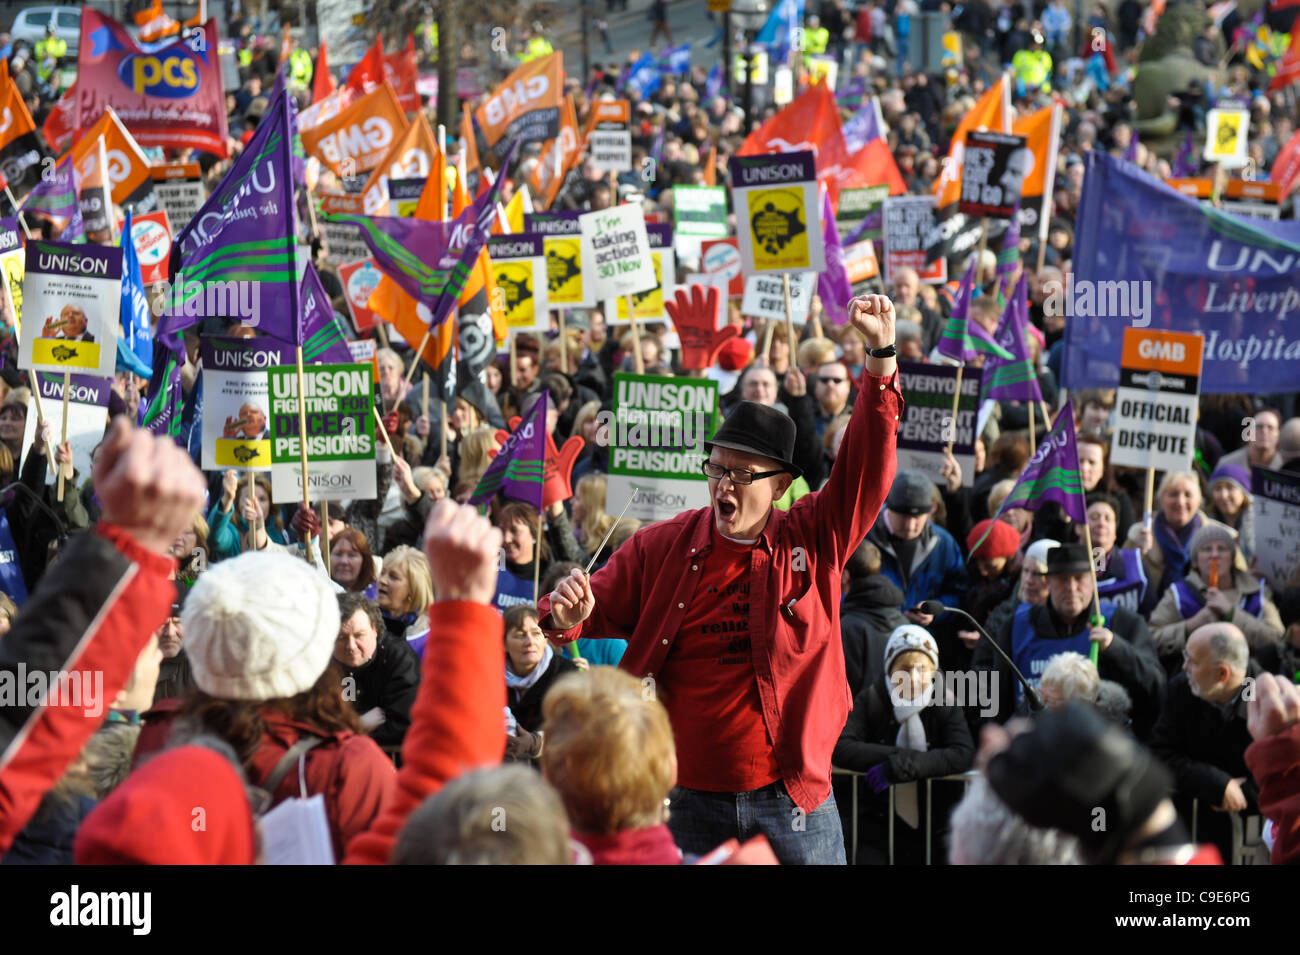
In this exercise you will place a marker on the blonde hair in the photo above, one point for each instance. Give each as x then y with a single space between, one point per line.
1172 477
1074 675
998 493
609 750
421 476
591 491
414 566
586 413
573 343
474 447
816 351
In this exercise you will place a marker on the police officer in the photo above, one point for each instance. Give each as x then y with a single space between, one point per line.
49 51
1035 634
815 37
535 45
1033 68
300 69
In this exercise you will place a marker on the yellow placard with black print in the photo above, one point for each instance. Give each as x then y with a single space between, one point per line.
778 213
564 283
520 271
236 453
61 353
1226 134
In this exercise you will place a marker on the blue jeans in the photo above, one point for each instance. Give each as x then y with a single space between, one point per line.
702 821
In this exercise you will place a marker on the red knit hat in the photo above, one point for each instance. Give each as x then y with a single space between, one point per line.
1003 540
735 355
186 806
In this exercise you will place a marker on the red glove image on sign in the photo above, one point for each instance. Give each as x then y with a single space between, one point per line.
557 469
694 315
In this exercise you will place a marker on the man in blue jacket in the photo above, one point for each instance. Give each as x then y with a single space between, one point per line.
921 558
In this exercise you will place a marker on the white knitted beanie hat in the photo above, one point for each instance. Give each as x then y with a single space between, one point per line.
260 626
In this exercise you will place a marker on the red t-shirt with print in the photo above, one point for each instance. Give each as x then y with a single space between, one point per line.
708 683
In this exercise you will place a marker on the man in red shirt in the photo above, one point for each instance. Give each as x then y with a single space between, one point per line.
731 614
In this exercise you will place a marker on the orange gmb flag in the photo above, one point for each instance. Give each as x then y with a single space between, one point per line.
1041 130
992 112
558 156
411 157
127 164
360 136
527 105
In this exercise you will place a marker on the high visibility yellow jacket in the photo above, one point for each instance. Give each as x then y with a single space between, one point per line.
300 69
536 47
816 41
1033 68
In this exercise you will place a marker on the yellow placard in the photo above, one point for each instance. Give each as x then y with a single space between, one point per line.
515 280
650 303
777 220
242 453
64 353
1227 128
564 270
14 265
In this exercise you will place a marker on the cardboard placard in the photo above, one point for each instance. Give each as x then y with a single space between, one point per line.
616 253
72 298
927 419
778 212
519 267
723 258
180 191
649 303
700 211
340 432
87 418
1277 524
856 205
907 220
236 405
765 297
993 171
656 443
360 279
152 236
1158 399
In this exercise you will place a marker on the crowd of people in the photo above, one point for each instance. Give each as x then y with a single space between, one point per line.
695 688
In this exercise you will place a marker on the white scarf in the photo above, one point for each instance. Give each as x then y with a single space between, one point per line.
523 683
911 734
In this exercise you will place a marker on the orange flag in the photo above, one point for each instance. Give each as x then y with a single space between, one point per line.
411 157
558 156
711 167
992 112
481 282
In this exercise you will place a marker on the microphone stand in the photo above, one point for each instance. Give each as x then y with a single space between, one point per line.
934 608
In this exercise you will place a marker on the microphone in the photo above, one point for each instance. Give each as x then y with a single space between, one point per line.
934 608
10 492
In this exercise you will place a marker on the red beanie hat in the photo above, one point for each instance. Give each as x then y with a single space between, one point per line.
1003 540
735 354
186 806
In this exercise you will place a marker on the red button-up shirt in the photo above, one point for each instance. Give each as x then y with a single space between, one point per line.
643 593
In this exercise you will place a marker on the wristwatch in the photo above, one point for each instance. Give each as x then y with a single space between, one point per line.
889 351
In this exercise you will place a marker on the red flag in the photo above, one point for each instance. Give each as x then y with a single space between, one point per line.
323 83
873 165
1288 68
61 125
369 72
811 122
1286 167
401 70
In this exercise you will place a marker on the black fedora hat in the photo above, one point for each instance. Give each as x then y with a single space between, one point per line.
1068 559
758 429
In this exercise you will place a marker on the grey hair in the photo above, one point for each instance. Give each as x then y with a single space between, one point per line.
1075 676
1114 702
505 815
108 756
986 832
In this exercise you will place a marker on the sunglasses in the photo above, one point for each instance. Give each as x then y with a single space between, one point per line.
832 381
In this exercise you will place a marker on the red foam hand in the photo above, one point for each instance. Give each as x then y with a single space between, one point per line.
694 314
558 470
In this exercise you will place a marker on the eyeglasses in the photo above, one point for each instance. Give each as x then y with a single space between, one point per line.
737 475
831 381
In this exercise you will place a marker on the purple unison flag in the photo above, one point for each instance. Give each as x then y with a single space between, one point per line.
1185 164
862 128
518 469
963 339
1013 380
55 197
1131 153
1052 474
243 238
833 283
319 331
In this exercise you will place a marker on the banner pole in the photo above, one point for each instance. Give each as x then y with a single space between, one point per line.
956 398
40 413
67 389
381 333
424 396
442 432
564 347
1033 440
767 342
1094 651
789 316
636 336
383 431
302 443
514 356
17 211
252 486
419 354
325 537
1148 515
537 559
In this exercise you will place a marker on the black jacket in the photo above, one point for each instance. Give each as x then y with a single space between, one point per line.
528 707
868 615
175 678
1130 661
387 680
868 739
1203 743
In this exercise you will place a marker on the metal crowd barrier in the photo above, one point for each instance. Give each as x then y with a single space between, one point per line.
963 778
